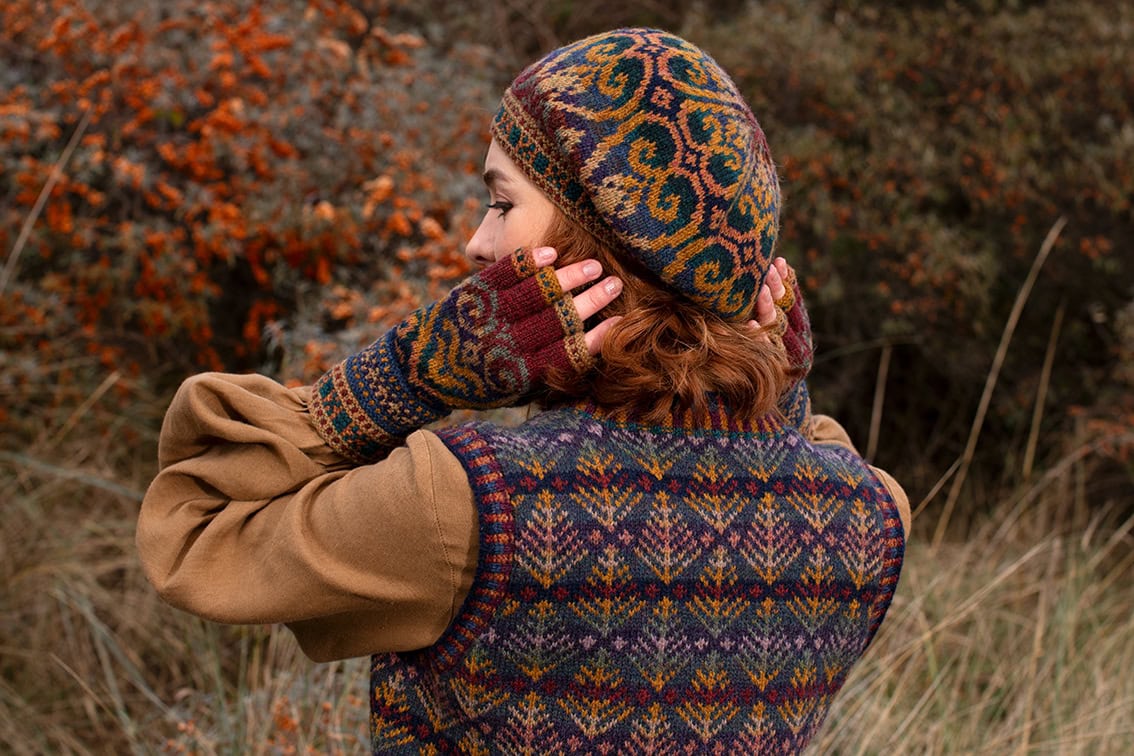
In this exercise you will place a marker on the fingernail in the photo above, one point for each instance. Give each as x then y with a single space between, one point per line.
613 286
544 255
591 269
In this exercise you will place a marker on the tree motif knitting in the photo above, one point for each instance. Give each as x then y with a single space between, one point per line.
485 345
691 588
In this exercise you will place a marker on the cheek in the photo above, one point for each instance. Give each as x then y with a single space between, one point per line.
541 224
512 234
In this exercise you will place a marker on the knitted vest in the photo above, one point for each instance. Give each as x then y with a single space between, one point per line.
648 590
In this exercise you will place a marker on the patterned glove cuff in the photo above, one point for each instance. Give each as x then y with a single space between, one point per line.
797 339
363 406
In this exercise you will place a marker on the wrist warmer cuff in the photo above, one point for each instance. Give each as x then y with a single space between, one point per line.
493 339
363 407
797 338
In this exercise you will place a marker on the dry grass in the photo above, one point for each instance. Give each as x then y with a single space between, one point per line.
1005 643
1019 638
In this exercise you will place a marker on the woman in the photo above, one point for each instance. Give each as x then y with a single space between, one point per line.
674 555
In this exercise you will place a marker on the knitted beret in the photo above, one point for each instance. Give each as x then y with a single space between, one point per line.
643 139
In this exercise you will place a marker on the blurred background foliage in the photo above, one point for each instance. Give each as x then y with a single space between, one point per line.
263 185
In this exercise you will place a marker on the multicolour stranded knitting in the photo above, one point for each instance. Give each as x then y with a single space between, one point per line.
641 138
796 329
794 332
649 589
485 345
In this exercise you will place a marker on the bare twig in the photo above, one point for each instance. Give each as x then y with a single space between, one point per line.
24 461
41 200
936 488
993 375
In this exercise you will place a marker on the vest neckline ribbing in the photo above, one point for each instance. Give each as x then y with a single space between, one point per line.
717 418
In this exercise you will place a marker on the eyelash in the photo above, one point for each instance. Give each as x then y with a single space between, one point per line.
503 207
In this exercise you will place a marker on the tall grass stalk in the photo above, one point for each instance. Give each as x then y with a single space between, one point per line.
993 376
1041 392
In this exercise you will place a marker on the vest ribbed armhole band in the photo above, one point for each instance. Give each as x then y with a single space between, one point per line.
894 545
494 560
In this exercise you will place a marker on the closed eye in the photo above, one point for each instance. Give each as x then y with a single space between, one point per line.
500 205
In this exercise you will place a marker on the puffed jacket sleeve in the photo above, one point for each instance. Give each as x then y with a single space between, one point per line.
826 430
253 519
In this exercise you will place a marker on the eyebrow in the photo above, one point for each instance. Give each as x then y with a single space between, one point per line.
492 177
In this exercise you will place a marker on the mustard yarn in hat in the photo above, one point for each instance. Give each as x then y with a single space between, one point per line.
643 139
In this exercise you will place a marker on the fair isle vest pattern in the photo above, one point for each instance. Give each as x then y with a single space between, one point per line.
648 590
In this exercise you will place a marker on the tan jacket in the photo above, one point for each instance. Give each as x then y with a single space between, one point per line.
253 519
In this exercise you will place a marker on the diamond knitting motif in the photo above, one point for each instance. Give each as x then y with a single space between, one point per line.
649 590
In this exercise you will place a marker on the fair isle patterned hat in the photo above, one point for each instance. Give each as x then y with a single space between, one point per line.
640 137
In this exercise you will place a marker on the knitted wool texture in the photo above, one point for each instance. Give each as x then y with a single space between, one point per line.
793 329
643 139
485 345
649 590
795 326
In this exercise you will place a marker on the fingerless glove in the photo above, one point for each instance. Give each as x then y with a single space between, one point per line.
795 334
796 329
488 344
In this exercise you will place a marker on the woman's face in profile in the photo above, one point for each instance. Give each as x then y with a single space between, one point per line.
519 213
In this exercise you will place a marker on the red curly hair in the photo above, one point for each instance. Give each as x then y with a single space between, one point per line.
667 354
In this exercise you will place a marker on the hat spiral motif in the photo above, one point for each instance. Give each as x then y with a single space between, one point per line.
643 139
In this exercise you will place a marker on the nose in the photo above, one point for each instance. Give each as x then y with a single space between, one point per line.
478 249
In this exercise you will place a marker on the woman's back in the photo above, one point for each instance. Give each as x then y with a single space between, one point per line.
673 586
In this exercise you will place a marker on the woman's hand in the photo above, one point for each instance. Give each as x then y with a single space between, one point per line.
780 311
771 292
592 300
489 343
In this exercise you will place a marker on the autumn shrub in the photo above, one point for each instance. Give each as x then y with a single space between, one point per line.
926 152
175 178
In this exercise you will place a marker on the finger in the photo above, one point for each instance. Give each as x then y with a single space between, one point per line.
597 297
754 325
785 300
576 274
544 255
597 335
765 307
775 283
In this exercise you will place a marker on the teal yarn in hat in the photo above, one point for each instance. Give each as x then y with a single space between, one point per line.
639 136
